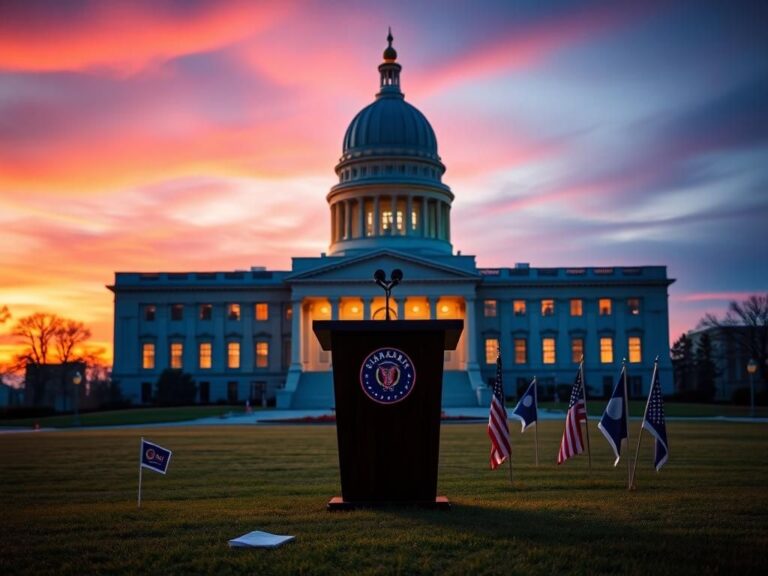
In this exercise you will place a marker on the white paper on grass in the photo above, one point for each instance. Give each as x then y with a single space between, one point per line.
259 539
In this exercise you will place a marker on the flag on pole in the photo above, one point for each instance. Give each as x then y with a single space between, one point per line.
654 421
527 409
498 431
154 457
613 424
572 442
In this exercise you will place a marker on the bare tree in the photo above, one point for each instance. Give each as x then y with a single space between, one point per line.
69 334
5 314
37 333
750 320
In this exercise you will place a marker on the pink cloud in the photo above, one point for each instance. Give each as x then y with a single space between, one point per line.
127 36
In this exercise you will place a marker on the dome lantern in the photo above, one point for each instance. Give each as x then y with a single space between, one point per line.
389 71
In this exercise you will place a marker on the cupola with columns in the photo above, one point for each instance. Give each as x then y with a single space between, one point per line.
390 192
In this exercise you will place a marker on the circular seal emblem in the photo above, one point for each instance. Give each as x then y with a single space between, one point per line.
387 375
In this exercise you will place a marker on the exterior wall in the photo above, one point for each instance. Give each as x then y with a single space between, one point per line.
132 329
532 285
648 284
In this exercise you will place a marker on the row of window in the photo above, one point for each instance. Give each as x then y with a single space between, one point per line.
386 169
549 350
205 311
604 306
204 355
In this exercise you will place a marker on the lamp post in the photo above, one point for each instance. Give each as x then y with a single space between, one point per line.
752 368
76 380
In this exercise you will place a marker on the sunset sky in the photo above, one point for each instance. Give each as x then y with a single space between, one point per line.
202 135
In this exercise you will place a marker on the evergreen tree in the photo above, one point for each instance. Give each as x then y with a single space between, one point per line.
175 388
683 365
706 369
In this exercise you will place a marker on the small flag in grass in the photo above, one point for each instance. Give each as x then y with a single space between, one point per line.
154 457
526 409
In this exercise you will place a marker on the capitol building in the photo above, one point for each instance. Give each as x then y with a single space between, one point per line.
247 335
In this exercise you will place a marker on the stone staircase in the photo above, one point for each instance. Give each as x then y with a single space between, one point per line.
315 391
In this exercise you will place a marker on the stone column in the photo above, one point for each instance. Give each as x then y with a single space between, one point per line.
296 334
367 302
432 307
401 308
424 216
393 206
438 219
361 217
347 219
376 217
334 308
408 214
470 330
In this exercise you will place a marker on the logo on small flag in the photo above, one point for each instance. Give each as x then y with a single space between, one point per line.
154 457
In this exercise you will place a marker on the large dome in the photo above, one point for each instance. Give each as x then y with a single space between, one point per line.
390 126
390 192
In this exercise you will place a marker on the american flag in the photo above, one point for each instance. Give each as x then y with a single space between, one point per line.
573 442
498 431
654 421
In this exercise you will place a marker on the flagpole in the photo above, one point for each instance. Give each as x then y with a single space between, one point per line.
645 413
626 412
141 446
536 424
586 411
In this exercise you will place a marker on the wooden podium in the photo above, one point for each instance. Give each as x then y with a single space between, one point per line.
388 383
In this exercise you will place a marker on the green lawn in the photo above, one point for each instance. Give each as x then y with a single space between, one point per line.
136 416
125 417
69 506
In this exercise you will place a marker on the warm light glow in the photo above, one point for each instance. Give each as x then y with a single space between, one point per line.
606 350
416 309
324 309
444 309
355 310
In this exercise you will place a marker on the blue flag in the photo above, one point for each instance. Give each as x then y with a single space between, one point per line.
613 424
526 409
654 421
154 457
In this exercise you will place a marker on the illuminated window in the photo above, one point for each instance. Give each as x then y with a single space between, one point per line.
489 309
150 310
205 355
233 312
547 307
518 307
633 306
177 311
206 311
606 306
577 307
635 349
606 350
548 351
577 349
521 351
262 311
177 352
148 356
233 355
491 350
262 354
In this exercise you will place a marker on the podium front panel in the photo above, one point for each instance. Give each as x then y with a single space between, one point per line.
387 412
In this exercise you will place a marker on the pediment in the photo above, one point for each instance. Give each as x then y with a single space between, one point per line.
360 268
